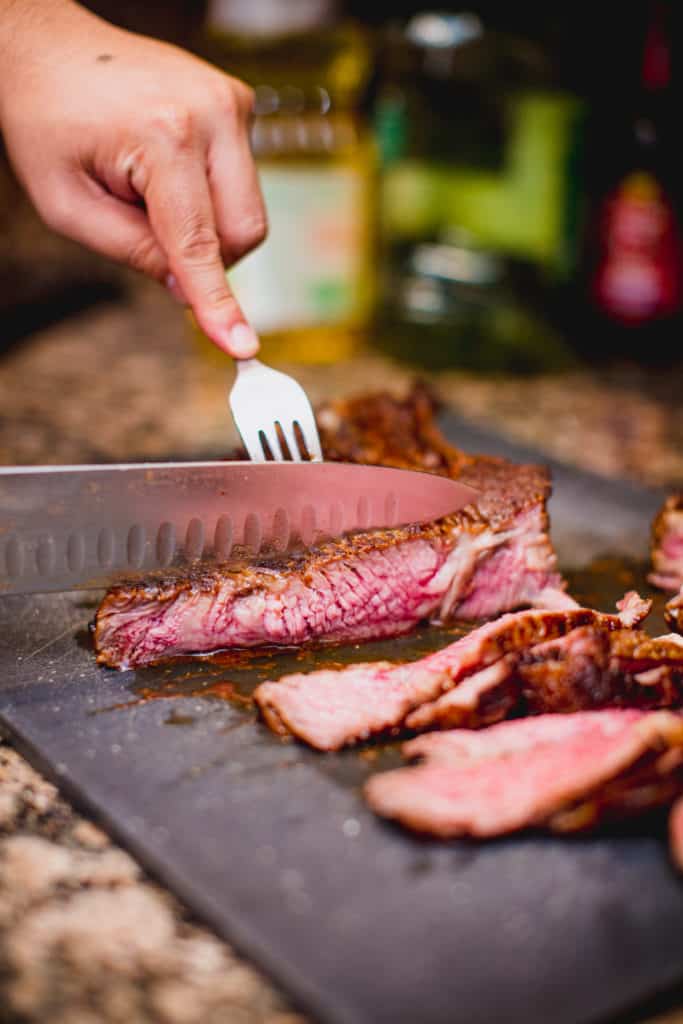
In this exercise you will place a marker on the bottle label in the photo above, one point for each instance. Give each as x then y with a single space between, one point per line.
307 272
639 273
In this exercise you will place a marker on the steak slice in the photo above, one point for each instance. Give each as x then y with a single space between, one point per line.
593 668
562 773
676 834
667 545
486 559
331 708
673 613
667 556
590 667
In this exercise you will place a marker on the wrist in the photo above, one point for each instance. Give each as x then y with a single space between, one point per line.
29 31
23 23
31 28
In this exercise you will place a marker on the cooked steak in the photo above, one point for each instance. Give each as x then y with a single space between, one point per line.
330 708
667 556
593 668
589 667
673 612
563 773
484 560
667 545
382 430
676 833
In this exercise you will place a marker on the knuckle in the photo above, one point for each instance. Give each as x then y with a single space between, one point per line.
249 233
199 242
246 98
235 98
135 169
175 125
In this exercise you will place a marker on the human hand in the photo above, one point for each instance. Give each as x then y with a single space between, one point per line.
136 149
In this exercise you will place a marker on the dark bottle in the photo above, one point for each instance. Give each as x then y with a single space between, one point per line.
633 263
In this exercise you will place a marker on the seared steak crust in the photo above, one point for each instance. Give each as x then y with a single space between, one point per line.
382 430
483 560
591 668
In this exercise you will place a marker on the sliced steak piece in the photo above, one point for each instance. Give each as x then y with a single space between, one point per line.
673 613
486 697
676 833
633 609
593 668
484 560
667 545
588 668
329 709
667 556
557 772
506 738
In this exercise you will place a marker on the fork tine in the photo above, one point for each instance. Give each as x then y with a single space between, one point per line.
309 429
252 442
290 438
300 412
270 434
265 401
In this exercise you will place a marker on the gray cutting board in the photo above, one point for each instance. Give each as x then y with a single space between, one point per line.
271 844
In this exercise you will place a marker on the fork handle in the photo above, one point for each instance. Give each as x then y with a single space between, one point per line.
244 365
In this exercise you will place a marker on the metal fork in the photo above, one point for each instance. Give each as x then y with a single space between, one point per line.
273 415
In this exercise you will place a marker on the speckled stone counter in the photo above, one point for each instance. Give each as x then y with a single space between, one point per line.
85 937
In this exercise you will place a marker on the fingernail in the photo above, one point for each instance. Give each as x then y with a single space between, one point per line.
175 289
243 341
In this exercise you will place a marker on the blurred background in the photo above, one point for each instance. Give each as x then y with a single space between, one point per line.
488 194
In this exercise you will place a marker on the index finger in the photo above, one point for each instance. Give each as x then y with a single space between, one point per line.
181 213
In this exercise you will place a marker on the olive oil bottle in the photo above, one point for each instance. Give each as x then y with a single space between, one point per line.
308 289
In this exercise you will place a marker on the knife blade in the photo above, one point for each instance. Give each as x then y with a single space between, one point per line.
85 527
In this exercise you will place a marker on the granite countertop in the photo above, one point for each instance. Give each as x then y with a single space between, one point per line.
123 382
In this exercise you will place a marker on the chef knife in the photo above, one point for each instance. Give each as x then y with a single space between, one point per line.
85 527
